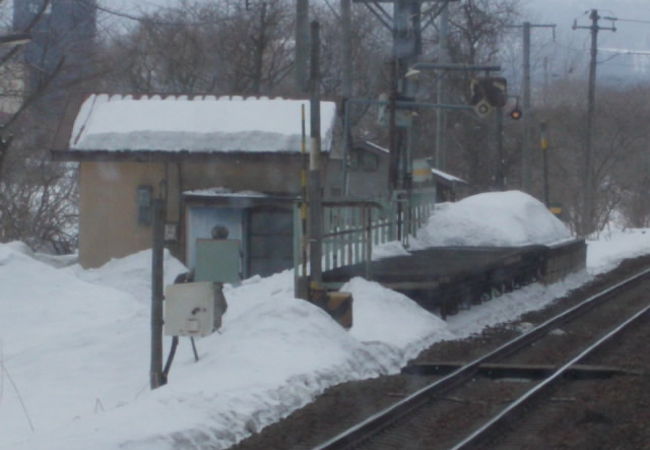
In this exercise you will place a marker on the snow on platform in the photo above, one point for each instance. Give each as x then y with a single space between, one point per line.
495 219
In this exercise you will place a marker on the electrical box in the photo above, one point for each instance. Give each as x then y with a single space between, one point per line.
193 309
218 260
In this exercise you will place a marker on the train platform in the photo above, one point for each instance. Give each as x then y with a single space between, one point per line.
447 279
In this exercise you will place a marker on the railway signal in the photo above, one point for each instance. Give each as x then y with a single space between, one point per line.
488 93
515 114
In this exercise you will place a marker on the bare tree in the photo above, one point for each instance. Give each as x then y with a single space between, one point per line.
619 157
38 197
206 48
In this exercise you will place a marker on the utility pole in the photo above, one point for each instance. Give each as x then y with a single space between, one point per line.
315 194
346 48
443 44
500 175
346 91
525 159
156 378
588 191
526 152
302 44
543 144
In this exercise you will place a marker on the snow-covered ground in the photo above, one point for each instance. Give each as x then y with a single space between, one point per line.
74 343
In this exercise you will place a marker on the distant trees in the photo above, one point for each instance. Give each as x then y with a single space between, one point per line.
38 197
221 48
620 158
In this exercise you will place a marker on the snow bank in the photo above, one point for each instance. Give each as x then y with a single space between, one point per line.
81 363
616 245
381 315
62 342
132 274
510 218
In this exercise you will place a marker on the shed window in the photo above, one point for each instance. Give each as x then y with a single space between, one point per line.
145 205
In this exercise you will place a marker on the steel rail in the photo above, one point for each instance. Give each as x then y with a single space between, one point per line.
377 422
515 407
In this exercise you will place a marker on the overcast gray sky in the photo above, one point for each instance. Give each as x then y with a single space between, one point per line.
631 33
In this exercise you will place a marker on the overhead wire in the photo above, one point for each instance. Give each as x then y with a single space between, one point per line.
633 20
149 19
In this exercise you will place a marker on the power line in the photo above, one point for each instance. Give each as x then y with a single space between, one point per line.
625 51
147 19
633 20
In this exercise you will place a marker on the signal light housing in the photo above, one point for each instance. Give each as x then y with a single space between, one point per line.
515 114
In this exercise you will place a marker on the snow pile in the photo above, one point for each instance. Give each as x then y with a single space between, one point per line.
63 344
132 274
76 343
506 219
208 123
381 315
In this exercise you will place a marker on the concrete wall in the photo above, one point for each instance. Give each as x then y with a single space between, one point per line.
108 209
263 173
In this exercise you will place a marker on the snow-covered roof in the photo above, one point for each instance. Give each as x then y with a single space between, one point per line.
376 146
224 192
235 197
447 176
197 124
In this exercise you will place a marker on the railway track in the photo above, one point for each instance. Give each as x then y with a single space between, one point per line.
393 426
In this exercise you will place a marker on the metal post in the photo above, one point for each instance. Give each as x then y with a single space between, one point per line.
346 48
305 195
526 110
346 55
259 54
345 169
156 370
500 178
525 145
591 101
546 75
392 129
366 220
440 155
315 200
543 143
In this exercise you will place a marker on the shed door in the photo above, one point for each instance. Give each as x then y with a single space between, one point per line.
270 243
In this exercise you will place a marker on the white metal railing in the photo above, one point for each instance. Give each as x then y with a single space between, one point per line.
352 228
